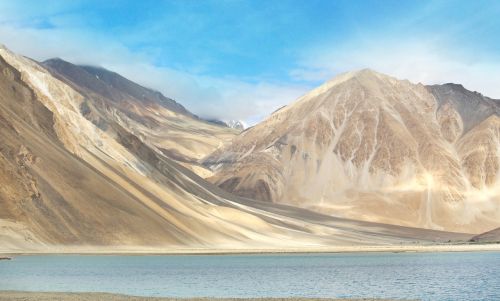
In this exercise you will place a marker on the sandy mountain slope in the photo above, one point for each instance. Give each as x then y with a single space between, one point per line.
69 181
166 125
368 146
492 236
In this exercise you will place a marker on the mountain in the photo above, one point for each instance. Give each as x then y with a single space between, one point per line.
492 236
472 107
370 147
112 85
236 124
82 168
171 129
216 121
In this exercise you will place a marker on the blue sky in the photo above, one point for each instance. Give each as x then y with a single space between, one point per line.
243 59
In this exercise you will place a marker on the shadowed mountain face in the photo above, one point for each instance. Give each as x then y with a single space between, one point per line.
472 107
112 85
492 236
368 146
81 168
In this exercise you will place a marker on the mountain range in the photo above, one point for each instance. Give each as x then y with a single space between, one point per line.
90 159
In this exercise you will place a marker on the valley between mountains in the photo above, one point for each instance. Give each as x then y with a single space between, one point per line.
90 159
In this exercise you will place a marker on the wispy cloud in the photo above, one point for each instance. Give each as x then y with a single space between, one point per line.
222 98
215 97
244 59
427 61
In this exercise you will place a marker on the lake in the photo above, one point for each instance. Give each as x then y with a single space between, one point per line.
425 276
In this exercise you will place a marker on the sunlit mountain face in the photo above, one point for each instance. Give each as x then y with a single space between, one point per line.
371 147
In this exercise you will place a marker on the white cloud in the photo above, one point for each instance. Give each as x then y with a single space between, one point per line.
211 97
425 61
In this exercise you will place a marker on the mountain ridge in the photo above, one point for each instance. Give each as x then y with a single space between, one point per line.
123 84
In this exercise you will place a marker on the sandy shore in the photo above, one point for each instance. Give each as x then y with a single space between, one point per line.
181 251
36 296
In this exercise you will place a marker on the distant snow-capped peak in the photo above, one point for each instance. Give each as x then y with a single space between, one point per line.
236 124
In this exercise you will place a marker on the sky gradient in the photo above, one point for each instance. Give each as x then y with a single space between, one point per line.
244 59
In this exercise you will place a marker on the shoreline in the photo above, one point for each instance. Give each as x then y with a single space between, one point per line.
91 296
493 247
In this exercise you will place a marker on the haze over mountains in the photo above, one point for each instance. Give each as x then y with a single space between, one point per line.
370 147
91 159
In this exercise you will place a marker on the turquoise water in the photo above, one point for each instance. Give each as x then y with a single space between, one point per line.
425 276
